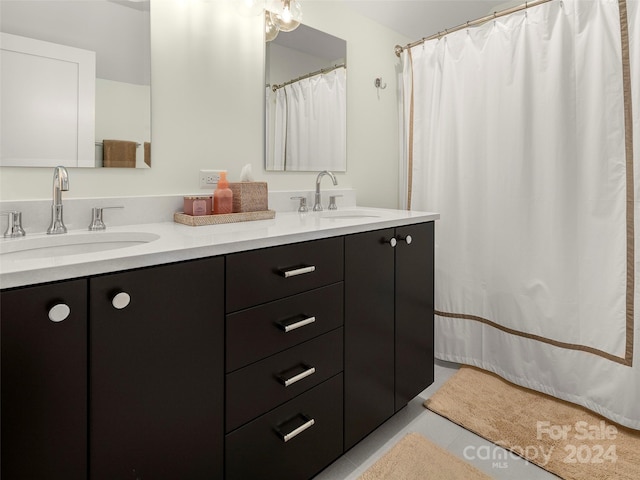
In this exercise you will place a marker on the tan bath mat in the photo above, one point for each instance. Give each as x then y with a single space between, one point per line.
567 440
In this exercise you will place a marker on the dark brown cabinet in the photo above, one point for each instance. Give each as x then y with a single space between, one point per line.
261 331
43 331
261 364
292 442
369 333
414 311
259 387
284 384
263 275
156 372
388 324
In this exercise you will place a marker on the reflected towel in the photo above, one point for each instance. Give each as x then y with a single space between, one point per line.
119 153
147 153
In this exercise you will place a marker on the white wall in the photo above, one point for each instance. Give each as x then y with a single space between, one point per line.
207 107
287 64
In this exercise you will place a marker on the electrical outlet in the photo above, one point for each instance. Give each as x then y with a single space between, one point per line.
209 178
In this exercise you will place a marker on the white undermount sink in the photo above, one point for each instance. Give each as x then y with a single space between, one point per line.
43 246
348 214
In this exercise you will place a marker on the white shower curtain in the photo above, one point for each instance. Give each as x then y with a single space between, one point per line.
276 129
309 123
515 134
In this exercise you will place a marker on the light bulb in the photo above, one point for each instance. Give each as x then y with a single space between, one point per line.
287 17
271 31
286 14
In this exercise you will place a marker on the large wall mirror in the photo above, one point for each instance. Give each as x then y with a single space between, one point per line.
305 125
75 83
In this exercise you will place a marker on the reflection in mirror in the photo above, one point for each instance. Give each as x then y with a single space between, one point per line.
305 125
84 98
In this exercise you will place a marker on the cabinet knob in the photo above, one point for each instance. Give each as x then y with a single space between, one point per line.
407 239
393 242
121 300
59 312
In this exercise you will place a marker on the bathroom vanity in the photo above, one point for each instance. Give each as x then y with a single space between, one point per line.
258 350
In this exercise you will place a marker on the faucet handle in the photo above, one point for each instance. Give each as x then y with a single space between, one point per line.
332 202
14 227
96 218
302 208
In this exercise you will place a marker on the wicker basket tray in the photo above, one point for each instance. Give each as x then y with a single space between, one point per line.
201 220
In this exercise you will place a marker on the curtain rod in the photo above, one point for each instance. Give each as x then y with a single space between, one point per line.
474 23
308 75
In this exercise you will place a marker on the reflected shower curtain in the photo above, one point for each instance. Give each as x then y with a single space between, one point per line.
276 129
515 134
309 123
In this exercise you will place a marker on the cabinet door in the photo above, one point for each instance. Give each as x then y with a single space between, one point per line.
369 333
44 382
414 311
157 373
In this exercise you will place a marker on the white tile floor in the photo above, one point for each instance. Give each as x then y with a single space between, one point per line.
500 465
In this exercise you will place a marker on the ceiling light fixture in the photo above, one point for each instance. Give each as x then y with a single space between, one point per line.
285 15
288 16
271 31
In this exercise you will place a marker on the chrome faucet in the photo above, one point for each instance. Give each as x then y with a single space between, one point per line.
317 205
60 184
97 223
14 226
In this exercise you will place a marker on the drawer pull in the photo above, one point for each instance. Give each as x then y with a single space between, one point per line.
297 431
292 326
296 378
297 271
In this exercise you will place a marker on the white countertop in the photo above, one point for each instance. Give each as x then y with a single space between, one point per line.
179 242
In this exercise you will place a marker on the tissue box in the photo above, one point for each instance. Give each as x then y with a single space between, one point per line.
249 196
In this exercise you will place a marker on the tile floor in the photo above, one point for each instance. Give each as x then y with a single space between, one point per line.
500 465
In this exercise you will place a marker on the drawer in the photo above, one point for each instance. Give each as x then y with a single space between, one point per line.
258 332
262 386
260 276
313 425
